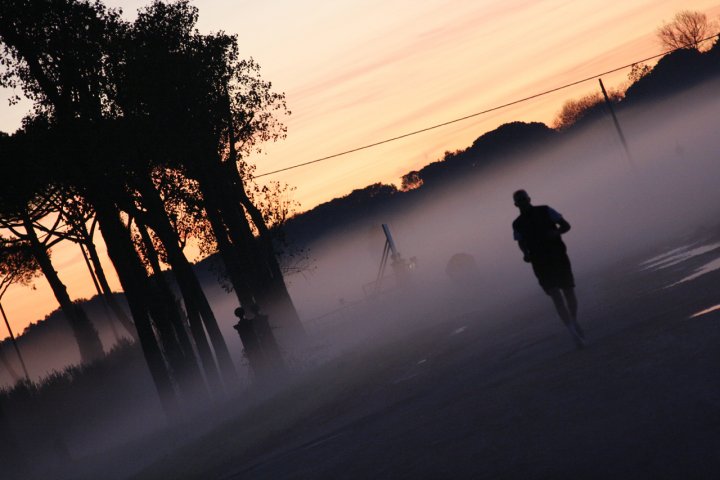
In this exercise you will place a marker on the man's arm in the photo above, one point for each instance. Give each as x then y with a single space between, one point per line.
523 246
563 225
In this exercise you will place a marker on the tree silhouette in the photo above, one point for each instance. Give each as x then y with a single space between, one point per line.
57 51
584 107
18 266
149 52
411 181
22 205
148 123
75 215
210 108
167 242
688 29
638 71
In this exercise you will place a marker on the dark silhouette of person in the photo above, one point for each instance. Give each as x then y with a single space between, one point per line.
537 231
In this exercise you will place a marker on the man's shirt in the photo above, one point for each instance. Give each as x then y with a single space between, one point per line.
537 232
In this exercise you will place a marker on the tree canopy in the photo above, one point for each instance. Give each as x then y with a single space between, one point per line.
688 29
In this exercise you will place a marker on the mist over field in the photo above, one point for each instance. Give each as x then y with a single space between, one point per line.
621 211
618 208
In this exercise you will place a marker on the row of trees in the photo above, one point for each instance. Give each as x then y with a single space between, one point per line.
140 128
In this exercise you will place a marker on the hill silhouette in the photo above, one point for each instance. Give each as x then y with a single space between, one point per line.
48 344
495 146
676 71
376 201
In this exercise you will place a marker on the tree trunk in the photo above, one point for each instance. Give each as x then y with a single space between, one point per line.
201 343
238 272
117 310
133 279
173 333
271 291
195 299
237 267
276 294
100 294
84 331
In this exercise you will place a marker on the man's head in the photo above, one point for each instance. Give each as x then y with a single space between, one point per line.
521 199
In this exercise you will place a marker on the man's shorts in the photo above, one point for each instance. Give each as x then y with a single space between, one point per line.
553 271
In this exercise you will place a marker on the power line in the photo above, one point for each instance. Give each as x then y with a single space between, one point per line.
449 122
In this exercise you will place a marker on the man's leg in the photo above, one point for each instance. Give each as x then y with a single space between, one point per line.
572 305
570 323
557 299
571 300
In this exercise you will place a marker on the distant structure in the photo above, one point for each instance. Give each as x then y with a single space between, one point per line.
400 266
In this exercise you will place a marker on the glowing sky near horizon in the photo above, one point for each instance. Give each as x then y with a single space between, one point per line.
356 72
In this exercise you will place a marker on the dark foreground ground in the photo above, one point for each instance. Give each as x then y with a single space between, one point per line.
642 401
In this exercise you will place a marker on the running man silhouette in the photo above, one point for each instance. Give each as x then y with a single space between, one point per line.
537 231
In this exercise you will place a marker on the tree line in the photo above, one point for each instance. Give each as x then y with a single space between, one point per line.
138 131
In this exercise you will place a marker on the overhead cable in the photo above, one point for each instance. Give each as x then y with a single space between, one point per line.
472 115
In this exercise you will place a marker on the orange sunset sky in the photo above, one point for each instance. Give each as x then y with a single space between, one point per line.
357 72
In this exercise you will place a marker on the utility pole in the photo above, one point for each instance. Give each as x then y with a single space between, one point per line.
617 125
